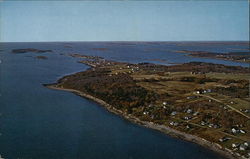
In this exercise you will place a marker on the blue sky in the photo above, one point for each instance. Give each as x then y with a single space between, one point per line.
30 21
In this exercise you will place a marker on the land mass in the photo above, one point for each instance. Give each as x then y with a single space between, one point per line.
30 50
231 56
200 102
42 57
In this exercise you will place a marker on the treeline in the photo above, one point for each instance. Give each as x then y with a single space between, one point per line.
119 90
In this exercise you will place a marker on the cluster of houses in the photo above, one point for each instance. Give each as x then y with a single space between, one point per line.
224 139
244 146
236 130
147 112
190 111
241 146
195 73
187 117
131 68
203 91
173 113
173 123
152 116
215 126
245 110
210 125
97 62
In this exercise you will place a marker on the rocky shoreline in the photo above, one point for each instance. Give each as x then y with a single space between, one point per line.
162 128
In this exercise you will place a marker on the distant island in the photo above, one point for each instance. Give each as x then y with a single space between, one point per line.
42 57
232 56
100 49
30 50
200 102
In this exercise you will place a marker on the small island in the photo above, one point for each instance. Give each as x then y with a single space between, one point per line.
100 49
42 57
231 56
200 102
30 50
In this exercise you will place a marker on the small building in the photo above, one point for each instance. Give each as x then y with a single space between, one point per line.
191 97
188 126
243 147
211 125
187 118
173 113
198 92
235 145
216 126
203 123
195 113
164 103
174 123
224 139
247 143
234 130
242 131
246 111
189 111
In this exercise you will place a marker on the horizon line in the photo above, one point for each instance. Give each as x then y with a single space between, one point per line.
129 41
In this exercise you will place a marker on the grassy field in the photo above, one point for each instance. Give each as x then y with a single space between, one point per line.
179 91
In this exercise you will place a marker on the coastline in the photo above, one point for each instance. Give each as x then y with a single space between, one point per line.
197 55
162 128
245 62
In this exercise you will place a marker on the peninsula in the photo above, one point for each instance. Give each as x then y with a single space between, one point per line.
200 102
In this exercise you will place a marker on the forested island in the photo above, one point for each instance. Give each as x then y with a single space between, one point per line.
30 50
231 56
200 102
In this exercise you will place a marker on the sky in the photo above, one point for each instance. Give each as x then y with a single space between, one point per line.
37 21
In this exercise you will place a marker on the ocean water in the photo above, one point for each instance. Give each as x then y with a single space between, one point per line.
36 122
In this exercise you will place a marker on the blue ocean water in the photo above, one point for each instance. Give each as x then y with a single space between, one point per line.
36 122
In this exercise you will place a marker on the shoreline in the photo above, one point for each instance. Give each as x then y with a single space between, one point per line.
244 62
162 128
197 55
